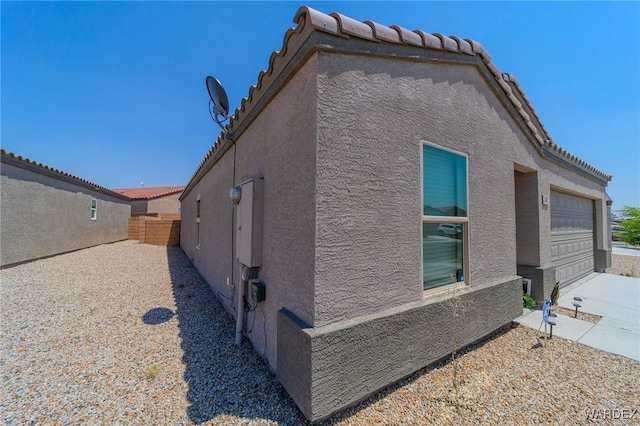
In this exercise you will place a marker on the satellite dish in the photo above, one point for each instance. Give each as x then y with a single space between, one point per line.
218 104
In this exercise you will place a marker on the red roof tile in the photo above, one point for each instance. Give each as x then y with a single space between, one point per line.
148 193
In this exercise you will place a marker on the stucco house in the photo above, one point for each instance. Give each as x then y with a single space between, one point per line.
379 173
45 212
155 214
160 199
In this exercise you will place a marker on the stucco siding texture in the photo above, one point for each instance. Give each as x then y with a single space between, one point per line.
527 215
279 146
43 216
373 113
187 225
166 204
336 365
213 256
139 206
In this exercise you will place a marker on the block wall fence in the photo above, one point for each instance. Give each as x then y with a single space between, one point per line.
160 229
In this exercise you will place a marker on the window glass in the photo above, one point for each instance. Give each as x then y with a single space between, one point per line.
444 183
198 221
94 209
444 217
442 254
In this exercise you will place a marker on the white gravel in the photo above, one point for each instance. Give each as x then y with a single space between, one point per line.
79 331
83 334
629 266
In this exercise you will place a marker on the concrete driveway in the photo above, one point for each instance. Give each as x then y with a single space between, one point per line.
625 251
615 298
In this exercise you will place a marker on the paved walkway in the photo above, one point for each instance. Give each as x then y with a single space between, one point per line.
625 251
615 298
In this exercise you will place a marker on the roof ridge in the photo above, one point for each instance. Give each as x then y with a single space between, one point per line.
346 27
147 193
7 154
150 187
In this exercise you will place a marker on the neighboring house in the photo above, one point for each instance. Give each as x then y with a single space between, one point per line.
45 212
356 145
155 214
163 199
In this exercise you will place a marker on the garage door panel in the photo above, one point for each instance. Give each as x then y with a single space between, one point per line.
574 269
572 246
568 224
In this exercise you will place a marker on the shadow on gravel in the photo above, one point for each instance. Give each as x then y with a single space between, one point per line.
235 382
223 379
157 316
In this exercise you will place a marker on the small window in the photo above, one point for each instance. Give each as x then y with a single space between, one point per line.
444 217
198 221
94 209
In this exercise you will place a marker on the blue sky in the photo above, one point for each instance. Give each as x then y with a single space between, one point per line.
114 92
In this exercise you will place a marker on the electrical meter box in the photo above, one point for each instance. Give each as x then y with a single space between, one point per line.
249 223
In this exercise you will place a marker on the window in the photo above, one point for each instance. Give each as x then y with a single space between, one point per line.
444 216
198 221
94 209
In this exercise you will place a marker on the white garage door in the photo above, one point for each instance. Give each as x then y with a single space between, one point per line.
571 237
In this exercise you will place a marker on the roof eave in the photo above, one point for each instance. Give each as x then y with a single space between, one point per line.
302 44
30 165
318 31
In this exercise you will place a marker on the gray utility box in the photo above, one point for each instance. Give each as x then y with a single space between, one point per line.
249 223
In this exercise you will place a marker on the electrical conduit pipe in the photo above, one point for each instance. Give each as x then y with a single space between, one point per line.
240 309
248 274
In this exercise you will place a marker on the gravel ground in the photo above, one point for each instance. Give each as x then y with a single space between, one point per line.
84 332
129 333
625 265
581 315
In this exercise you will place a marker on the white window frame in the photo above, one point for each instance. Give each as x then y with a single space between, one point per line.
463 221
198 214
94 209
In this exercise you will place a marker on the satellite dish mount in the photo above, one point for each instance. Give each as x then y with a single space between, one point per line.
218 104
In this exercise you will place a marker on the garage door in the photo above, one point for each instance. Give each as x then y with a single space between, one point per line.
571 237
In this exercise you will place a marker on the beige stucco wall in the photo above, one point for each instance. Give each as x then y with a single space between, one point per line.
527 218
279 147
166 204
214 256
139 206
372 114
43 216
339 150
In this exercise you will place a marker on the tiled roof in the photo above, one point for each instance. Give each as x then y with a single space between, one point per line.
148 193
25 163
309 20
